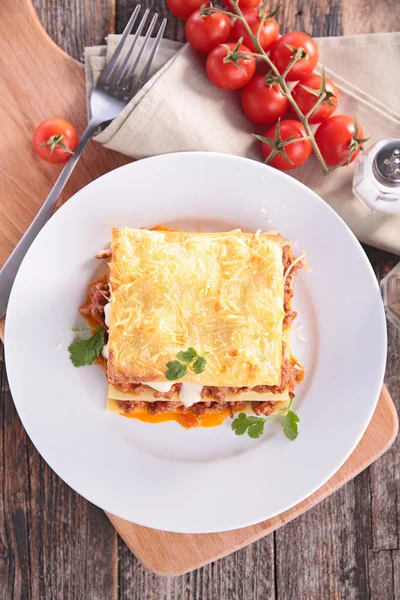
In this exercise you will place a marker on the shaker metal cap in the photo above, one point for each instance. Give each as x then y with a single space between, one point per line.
386 165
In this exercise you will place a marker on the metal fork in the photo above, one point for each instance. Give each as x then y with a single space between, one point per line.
117 85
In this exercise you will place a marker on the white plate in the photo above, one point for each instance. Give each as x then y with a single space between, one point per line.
164 476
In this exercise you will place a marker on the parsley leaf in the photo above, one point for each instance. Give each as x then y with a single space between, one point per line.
239 425
85 352
253 425
187 356
176 370
254 431
199 365
289 425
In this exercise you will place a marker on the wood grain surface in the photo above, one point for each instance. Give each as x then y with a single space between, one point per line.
167 553
22 190
54 544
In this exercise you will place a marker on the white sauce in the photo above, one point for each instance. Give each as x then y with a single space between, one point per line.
160 386
107 309
190 393
104 352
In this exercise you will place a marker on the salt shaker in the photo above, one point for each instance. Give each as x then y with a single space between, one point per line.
376 183
376 180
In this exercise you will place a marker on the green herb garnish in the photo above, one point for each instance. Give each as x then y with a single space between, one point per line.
199 365
177 369
254 426
187 355
85 352
289 424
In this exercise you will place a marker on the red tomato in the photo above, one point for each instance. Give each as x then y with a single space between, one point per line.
281 55
244 4
306 100
204 33
183 8
228 75
268 34
55 140
334 137
297 152
262 103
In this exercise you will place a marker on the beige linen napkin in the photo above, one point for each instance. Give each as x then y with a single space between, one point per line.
180 110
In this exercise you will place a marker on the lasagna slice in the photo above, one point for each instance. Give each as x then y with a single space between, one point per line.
224 296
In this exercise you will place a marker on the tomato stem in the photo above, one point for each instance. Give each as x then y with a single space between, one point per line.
316 106
235 55
280 79
56 141
208 9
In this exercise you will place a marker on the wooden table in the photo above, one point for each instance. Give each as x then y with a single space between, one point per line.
55 545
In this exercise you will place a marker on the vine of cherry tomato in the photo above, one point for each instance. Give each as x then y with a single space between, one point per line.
268 33
234 74
231 65
336 136
263 103
294 154
283 51
204 33
306 99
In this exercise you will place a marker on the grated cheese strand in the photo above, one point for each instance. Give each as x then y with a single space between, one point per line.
298 259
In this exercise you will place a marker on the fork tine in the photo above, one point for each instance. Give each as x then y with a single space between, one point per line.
146 68
123 67
113 60
131 71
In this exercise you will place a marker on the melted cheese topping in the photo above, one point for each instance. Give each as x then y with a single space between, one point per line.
220 293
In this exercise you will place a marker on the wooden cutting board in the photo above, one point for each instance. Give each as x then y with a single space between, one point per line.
168 553
37 81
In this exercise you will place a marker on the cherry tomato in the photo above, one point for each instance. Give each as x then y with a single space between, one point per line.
244 4
297 152
262 103
55 140
268 33
306 100
183 8
204 33
334 137
281 55
228 75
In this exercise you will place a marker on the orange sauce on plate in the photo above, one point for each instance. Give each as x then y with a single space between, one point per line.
187 420
300 367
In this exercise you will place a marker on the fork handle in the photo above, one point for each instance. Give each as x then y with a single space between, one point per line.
9 272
